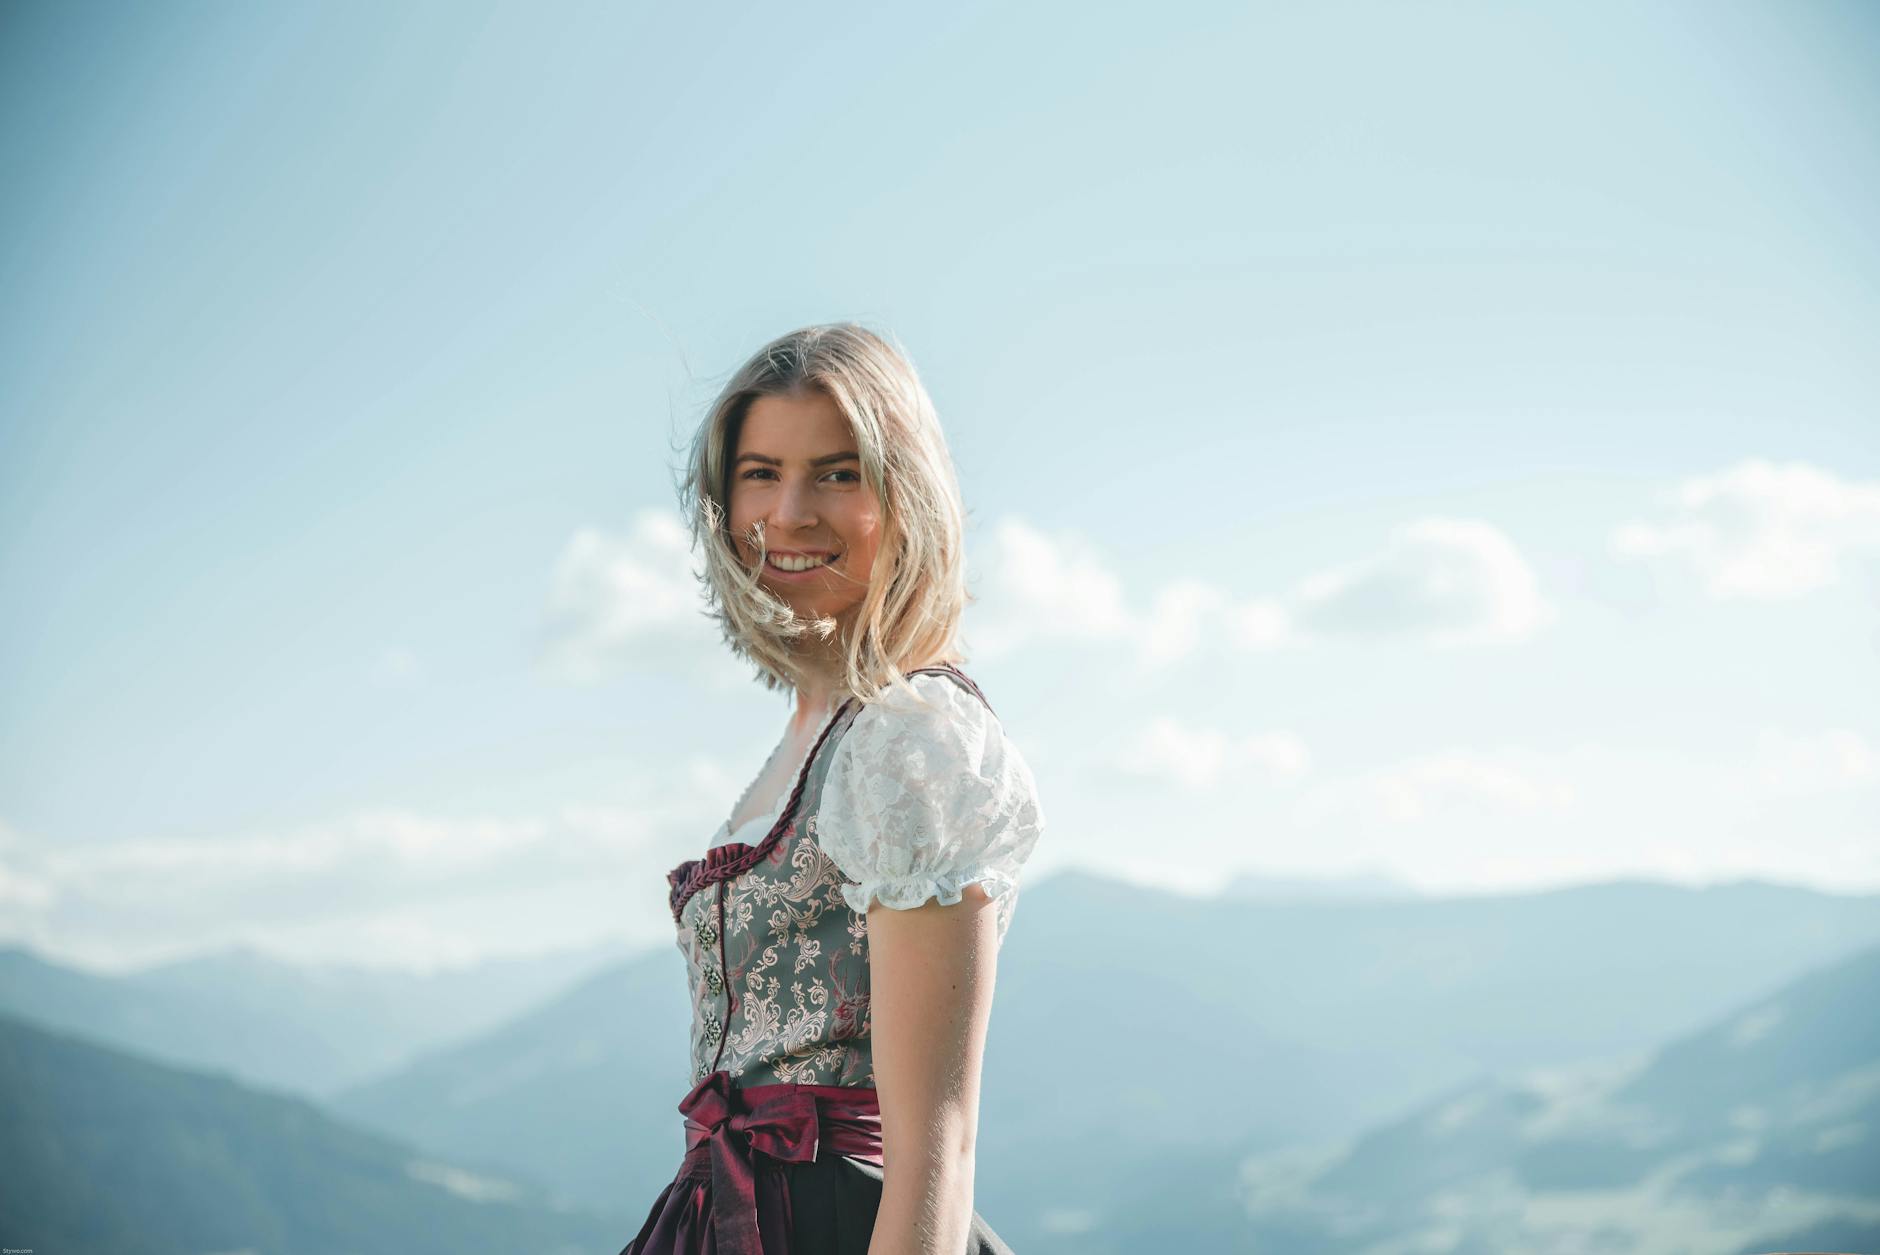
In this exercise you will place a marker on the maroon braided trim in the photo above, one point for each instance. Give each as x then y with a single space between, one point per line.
734 858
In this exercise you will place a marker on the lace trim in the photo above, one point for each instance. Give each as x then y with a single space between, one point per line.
906 892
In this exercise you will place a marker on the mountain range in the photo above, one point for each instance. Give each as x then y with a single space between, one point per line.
1286 1072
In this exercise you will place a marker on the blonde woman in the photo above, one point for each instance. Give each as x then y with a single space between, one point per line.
841 932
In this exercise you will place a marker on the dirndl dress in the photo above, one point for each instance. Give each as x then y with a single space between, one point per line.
783 1125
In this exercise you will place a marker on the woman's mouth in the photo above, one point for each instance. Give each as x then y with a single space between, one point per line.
790 566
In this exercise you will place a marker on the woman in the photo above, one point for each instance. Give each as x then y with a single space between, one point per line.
841 934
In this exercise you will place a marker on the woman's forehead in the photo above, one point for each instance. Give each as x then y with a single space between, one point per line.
799 426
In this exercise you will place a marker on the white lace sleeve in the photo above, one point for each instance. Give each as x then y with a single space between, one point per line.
919 804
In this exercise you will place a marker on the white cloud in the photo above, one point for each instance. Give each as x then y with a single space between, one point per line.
1789 807
1447 783
619 602
1760 530
1039 586
1789 764
634 601
1442 581
1196 758
379 885
366 855
1259 625
21 890
1179 620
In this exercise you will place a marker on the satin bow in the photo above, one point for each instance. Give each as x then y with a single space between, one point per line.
784 1126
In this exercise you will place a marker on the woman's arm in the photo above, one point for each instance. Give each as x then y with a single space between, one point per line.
931 971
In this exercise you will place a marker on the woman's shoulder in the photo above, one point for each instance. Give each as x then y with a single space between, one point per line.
937 691
927 794
939 713
945 742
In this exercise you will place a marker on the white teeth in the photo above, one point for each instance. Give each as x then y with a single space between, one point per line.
786 562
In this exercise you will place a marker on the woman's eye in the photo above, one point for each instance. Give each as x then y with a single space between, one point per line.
755 471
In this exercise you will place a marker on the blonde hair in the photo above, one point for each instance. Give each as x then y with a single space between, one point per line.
911 614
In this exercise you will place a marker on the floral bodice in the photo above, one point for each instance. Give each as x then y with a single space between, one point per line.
896 804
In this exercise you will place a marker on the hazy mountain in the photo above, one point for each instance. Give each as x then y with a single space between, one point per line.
1320 1017
1760 1132
1186 1030
1360 885
309 1029
1194 1028
105 1152
584 1092
1144 1046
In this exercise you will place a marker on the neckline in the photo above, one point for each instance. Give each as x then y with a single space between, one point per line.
767 818
734 858
776 802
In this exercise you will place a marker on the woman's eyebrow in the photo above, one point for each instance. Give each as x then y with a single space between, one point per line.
767 460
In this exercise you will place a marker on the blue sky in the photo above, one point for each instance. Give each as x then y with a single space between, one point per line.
1436 440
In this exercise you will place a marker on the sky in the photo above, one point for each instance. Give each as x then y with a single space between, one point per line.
1439 442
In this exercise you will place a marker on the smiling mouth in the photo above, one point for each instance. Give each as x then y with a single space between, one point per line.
797 565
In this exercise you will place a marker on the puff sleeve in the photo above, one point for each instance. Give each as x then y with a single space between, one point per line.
920 803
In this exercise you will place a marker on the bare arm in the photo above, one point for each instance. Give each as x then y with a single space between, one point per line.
931 972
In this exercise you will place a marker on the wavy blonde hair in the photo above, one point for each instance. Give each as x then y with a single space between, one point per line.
910 616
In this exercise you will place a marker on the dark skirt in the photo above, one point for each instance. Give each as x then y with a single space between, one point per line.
823 1206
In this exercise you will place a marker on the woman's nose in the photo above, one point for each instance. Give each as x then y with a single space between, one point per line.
794 508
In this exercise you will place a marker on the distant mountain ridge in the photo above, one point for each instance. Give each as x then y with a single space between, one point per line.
1759 1132
1310 1019
107 1152
1288 1021
1361 885
305 1028
583 1093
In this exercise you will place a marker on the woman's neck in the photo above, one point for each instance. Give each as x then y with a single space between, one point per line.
821 683
816 698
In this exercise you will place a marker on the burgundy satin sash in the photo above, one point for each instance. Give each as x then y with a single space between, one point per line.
725 1123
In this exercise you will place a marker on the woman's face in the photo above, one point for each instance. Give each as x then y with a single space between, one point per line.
798 474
